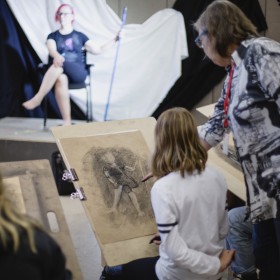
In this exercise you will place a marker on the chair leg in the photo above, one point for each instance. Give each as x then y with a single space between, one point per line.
89 104
45 106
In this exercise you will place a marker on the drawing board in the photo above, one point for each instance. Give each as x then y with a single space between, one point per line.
30 186
225 163
110 159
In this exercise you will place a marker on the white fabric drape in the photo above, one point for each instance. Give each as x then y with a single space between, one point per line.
148 62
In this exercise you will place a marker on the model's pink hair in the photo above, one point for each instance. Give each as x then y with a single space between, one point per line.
59 8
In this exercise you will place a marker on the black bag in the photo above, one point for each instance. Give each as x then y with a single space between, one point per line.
58 167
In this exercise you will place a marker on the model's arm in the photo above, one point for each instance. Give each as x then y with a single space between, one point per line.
129 168
95 48
109 177
58 59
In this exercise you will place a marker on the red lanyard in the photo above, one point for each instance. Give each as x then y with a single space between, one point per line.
226 102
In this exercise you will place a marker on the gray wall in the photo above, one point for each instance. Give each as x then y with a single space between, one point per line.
139 10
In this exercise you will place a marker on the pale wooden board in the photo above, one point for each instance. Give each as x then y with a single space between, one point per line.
206 110
232 173
127 243
14 193
34 180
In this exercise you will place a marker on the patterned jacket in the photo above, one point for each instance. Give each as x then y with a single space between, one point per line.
254 119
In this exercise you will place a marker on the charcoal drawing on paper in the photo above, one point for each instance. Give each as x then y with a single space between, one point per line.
110 168
119 180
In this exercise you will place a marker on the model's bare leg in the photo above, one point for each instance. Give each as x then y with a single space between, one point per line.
117 197
63 99
48 82
135 203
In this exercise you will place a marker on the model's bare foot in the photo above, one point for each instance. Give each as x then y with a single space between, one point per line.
112 210
32 103
141 214
67 123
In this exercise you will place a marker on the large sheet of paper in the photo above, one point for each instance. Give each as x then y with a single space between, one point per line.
110 159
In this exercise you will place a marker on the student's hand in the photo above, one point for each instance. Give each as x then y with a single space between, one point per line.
147 177
226 258
156 239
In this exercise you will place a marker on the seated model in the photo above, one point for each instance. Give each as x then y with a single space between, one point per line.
67 64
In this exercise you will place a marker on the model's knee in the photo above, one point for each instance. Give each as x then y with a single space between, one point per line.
62 80
55 70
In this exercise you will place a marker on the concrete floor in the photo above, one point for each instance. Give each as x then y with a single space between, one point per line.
85 244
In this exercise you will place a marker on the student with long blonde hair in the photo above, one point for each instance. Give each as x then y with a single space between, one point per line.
189 203
26 251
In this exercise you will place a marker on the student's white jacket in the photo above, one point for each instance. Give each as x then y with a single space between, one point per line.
191 214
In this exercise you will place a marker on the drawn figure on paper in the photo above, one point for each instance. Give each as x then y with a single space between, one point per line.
114 175
122 182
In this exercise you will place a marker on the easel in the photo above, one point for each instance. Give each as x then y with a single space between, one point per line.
79 136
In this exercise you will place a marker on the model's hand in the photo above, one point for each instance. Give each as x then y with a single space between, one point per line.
129 168
120 35
226 258
58 60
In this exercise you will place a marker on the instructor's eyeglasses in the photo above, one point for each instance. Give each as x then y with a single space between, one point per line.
198 38
64 14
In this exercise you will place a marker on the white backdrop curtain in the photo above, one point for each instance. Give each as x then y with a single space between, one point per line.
148 61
